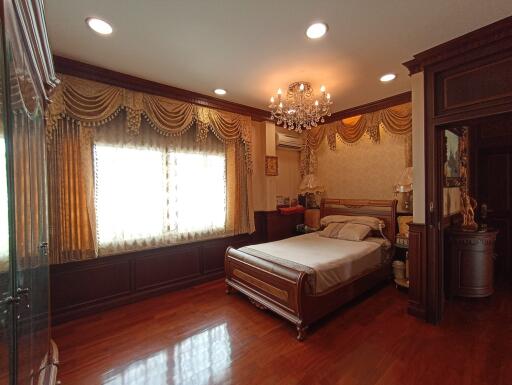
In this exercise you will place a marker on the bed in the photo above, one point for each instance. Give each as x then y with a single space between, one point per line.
323 274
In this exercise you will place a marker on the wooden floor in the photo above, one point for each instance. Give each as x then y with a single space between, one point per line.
203 336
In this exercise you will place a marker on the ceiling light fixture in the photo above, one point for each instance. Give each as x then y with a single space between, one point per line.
387 78
220 91
316 30
99 26
299 109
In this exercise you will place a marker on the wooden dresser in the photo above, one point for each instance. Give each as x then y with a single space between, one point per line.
471 263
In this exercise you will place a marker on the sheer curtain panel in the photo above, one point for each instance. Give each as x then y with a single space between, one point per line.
153 190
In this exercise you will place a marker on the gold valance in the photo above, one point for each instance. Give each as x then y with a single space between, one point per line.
397 120
92 104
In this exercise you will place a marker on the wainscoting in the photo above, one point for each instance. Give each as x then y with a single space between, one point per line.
86 287
417 271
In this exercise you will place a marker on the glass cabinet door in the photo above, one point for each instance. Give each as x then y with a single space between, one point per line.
6 287
26 123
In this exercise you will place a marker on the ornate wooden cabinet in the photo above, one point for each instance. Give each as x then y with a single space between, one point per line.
471 263
26 74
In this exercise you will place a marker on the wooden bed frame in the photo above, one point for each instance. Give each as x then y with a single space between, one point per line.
284 290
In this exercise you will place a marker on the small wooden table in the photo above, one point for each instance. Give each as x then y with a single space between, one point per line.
471 262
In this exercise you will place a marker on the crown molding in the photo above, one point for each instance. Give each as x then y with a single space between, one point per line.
91 72
404 97
479 38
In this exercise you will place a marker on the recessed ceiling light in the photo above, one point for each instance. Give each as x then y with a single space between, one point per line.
99 26
387 78
316 30
220 91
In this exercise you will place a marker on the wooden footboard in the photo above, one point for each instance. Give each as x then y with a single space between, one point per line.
275 287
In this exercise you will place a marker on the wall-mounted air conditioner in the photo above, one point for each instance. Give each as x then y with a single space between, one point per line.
290 142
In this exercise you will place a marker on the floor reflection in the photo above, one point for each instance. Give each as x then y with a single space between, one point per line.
197 360
202 357
151 370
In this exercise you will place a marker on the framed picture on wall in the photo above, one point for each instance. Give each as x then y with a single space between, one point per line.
452 159
271 167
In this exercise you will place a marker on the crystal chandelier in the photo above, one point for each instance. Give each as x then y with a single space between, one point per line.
299 110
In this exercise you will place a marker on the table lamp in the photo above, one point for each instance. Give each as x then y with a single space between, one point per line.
404 185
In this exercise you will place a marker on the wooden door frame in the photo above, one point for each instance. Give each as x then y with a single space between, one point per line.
478 48
434 126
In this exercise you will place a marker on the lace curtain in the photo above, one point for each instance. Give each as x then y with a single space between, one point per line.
153 191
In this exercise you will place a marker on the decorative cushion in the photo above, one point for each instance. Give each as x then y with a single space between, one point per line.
332 230
354 232
368 221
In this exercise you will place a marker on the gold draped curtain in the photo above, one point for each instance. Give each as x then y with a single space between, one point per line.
71 193
93 104
79 106
396 120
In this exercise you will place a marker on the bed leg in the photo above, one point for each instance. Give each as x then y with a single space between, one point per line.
229 289
301 332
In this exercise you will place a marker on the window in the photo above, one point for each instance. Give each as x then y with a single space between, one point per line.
149 197
198 192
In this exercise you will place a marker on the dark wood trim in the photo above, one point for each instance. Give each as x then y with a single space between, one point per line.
118 79
474 40
395 100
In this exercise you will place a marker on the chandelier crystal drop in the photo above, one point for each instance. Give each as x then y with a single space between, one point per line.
299 109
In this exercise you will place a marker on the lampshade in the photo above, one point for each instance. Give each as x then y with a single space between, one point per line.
404 183
310 184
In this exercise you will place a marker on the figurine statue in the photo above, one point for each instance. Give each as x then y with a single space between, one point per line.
468 206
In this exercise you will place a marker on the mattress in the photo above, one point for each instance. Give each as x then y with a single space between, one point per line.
327 261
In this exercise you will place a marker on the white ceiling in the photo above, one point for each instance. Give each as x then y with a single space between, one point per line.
252 47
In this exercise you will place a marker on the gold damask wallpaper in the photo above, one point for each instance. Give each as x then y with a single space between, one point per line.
365 169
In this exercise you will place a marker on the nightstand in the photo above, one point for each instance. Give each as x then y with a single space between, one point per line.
401 255
304 229
471 262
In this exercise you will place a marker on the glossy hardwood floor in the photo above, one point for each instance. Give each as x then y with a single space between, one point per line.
203 336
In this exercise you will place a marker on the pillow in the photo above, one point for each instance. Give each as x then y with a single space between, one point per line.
362 220
332 230
354 232
368 221
335 219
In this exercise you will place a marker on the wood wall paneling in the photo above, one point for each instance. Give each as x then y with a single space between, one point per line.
86 287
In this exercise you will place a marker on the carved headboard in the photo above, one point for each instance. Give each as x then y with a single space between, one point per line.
382 209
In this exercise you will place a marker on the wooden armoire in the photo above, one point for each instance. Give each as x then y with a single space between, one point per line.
26 77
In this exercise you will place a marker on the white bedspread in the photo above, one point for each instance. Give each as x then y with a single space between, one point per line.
332 261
